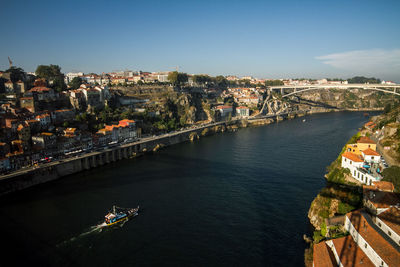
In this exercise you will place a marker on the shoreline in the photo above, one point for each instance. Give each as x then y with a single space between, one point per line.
28 177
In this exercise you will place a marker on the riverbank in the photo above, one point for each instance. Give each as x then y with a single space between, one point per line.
28 177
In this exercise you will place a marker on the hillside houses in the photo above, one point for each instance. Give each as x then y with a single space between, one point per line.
362 160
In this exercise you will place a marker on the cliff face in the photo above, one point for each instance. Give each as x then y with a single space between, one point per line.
343 99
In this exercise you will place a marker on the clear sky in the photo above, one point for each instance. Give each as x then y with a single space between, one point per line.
266 39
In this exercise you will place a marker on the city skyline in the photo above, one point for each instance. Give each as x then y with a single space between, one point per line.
263 39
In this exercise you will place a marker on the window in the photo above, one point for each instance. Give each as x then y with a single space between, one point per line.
366 245
379 224
372 157
345 159
350 161
389 233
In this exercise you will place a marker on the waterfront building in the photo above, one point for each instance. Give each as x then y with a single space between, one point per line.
242 111
361 168
44 140
371 156
362 144
224 110
373 241
378 201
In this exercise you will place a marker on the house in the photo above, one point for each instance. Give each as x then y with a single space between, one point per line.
24 132
378 201
355 163
45 140
351 160
28 103
371 156
4 149
370 125
224 110
44 119
242 111
362 143
4 164
379 251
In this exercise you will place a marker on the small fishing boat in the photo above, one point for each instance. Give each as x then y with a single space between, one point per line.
118 214
304 120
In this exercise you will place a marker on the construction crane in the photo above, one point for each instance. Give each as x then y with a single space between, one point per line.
10 62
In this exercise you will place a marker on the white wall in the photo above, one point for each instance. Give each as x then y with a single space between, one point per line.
385 228
363 245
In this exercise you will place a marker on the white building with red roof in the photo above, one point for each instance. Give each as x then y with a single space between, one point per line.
370 155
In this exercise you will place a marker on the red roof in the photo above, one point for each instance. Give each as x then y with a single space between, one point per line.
350 253
223 107
365 140
352 156
370 152
378 243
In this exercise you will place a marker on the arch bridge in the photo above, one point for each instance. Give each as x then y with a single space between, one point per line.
296 89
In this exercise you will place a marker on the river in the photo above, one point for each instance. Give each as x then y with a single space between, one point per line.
232 199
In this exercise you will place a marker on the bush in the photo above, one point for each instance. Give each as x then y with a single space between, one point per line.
317 236
324 230
345 208
324 214
392 174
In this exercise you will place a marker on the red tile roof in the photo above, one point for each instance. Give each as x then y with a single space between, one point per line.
391 218
378 243
349 253
352 157
370 152
365 140
380 199
323 256
384 186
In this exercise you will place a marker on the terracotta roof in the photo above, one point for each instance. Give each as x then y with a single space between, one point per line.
223 107
384 186
349 253
39 89
391 218
365 140
352 157
380 199
378 243
242 107
323 256
370 152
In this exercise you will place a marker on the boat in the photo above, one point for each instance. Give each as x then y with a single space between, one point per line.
118 214
304 120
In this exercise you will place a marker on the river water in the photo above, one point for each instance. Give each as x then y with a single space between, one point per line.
232 199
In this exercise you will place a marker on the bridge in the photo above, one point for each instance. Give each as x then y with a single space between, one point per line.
296 89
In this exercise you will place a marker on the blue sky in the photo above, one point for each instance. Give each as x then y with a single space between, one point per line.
266 39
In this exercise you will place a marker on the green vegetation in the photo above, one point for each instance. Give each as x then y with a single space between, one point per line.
362 79
345 208
317 237
273 83
177 78
324 229
53 74
75 83
392 174
16 74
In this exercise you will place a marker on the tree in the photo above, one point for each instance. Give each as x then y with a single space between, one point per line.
52 73
16 74
177 78
221 81
362 79
392 174
75 83
273 83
